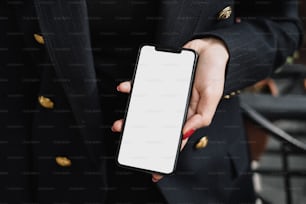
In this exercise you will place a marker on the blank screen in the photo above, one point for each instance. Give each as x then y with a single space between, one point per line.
157 106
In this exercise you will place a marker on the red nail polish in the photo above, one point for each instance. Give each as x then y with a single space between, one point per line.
188 133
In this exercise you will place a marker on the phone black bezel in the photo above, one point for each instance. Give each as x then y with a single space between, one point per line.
185 112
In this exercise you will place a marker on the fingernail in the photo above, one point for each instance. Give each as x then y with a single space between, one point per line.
154 179
118 88
188 133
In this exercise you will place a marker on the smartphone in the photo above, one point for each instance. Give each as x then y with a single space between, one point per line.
157 109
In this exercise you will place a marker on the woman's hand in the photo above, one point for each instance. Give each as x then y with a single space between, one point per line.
207 88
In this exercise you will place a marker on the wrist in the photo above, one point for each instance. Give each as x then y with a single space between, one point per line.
213 43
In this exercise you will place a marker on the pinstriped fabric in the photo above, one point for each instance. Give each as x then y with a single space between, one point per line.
258 45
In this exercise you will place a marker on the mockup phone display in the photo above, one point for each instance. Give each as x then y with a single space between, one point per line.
157 109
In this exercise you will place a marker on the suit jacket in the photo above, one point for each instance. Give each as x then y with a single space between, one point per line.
69 155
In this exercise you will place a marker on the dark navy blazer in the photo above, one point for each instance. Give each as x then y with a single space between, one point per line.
32 137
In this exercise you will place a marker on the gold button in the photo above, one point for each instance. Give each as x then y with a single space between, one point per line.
225 13
227 97
233 93
45 102
39 39
202 143
63 161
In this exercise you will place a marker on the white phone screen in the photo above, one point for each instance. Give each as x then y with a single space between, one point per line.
157 109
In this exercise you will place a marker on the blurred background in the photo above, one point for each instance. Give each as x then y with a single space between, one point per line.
275 119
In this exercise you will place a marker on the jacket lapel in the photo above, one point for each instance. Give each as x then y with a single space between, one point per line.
66 32
178 20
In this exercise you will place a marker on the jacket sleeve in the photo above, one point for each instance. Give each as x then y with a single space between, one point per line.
269 31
